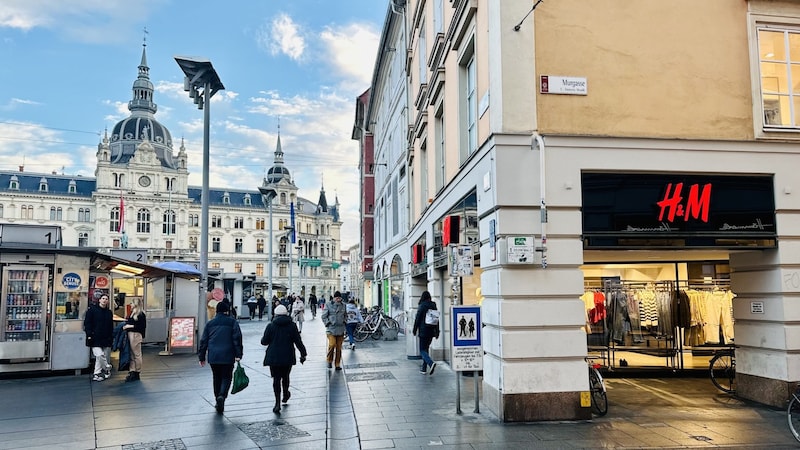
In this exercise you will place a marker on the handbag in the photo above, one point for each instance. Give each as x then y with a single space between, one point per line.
240 379
432 317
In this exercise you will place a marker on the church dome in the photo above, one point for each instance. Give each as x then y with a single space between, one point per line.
277 173
132 129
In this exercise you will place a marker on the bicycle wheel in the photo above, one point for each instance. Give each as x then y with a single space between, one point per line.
599 397
377 333
361 332
793 415
722 368
391 324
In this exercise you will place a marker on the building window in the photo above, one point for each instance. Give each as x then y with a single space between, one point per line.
115 243
27 211
238 222
237 267
43 186
114 219
143 220
215 245
226 199
247 199
282 270
283 198
216 221
259 270
439 156
169 222
471 107
84 215
1 210
779 56
193 243
423 52
13 185
238 245
168 245
260 224
215 265
194 220
259 246
72 189
83 239
55 213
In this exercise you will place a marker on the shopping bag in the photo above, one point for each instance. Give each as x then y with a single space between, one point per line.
432 317
240 379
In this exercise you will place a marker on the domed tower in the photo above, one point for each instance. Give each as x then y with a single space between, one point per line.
278 171
128 133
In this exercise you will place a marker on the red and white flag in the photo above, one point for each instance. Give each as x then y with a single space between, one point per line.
121 226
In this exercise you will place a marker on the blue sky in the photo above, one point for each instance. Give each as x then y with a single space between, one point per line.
68 67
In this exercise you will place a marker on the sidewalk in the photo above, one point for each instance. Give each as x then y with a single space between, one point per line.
380 400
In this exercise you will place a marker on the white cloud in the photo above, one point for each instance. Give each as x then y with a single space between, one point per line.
40 150
15 102
86 21
352 49
284 36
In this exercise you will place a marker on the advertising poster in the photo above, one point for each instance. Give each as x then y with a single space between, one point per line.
181 333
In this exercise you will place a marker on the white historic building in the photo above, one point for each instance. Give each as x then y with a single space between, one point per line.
140 199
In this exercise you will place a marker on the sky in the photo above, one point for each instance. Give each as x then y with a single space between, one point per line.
297 66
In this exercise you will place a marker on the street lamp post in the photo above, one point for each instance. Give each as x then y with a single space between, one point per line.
200 74
267 194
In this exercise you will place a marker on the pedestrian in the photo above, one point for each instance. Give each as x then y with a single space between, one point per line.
221 345
262 306
334 317
99 327
252 304
281 337
425 332
312 301
275 303
354 318
135 324
298 312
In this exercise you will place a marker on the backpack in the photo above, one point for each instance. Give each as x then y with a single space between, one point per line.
432 317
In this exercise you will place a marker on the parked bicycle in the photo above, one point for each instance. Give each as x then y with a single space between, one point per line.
597 388
722 369
375 324
793 414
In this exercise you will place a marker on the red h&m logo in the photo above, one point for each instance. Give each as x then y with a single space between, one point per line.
695 206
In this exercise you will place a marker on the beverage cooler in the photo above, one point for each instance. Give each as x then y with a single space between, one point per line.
24 313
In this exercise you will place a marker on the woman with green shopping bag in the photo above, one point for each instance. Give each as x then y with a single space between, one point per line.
222 342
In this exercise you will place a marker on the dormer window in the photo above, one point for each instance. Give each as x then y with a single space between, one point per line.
73 187
247 200
43 185
226 199
14 183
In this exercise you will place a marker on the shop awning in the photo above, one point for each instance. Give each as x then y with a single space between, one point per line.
101 261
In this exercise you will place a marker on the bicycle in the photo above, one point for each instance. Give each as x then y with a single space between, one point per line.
597 388
793 414
401 321
722 369
375 324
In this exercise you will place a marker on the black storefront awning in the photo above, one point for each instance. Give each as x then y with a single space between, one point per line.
624 210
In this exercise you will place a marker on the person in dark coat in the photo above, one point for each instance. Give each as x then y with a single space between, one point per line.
425 332
281 337
221 345
262 306
99 327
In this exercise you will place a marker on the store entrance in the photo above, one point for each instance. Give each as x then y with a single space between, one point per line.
656 316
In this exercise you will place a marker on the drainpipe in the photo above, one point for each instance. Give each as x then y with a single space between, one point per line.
538 141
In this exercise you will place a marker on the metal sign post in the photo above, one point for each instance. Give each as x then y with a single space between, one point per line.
467 346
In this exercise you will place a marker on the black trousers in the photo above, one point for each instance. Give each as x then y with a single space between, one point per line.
223 376
280 379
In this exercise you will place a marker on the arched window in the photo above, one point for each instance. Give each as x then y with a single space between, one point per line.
193 243
84 215
55 213
169 222
143 220
83 239
114 219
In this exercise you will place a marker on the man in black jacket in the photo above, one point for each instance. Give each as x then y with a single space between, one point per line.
222 340
99 327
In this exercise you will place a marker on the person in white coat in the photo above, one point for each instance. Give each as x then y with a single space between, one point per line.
298 312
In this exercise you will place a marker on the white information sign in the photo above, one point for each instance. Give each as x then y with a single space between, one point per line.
521 249
467 339
460 260
467 359
550 84
757 307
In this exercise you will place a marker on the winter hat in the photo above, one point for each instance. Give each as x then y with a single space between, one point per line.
280 310
223 307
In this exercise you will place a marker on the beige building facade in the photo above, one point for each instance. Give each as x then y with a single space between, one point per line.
645 147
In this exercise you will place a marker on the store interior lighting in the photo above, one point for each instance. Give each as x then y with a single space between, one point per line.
124 269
